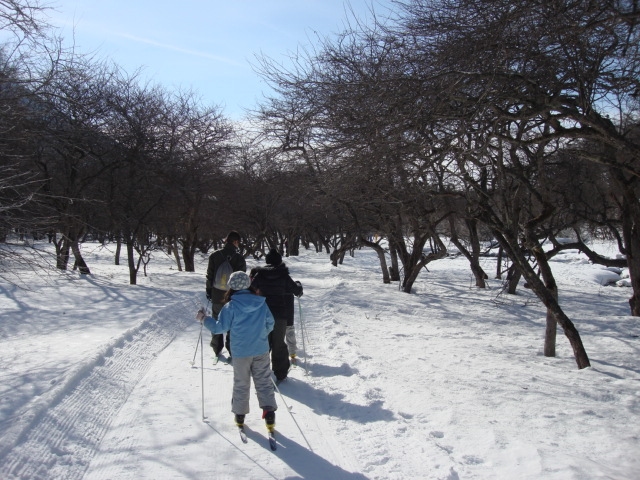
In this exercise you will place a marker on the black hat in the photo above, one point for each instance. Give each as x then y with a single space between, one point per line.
273 257
232 237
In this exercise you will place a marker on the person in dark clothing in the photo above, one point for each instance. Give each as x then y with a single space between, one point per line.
273 282
228 253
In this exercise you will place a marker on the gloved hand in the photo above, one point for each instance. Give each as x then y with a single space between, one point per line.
209 295
299 285
200 315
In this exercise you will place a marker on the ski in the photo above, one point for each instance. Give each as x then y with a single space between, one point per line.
243 434
272 438
272 441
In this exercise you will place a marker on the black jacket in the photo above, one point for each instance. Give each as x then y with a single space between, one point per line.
278 287
236 260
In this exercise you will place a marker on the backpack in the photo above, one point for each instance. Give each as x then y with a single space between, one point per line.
223 272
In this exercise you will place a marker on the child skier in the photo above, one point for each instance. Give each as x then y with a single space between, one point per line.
249 320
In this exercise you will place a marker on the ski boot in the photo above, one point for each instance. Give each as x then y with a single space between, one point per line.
239 420
269 419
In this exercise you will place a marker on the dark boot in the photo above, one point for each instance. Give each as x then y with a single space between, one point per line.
269 419
217 343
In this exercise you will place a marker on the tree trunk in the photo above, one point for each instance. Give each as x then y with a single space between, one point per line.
116 259
394 269
499 265
628 186
550 335
133 271
513 279
294 246
188 255
440 251
80 263
552 287
176 254
474 256
546 296
62 252
344 244
381 258
631 235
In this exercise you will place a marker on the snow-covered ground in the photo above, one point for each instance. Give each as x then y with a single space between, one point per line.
446 383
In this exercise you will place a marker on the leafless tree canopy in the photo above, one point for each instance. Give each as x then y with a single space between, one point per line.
497 121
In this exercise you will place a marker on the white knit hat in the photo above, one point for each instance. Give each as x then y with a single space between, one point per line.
239 281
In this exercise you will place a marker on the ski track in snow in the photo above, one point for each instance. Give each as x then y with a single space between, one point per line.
306 447
60 438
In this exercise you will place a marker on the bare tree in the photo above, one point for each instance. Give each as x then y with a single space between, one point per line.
74 153
199 149
136 190
28 59
573 66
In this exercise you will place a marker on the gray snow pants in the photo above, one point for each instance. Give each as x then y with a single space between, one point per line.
258 368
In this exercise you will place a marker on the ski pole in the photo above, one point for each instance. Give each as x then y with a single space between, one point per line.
289 410
204 419
304 348
279 393
193 362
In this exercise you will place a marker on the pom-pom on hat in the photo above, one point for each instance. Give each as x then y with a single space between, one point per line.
239 281
273 257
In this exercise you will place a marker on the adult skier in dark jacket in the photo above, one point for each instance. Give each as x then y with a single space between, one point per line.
273 282
238 263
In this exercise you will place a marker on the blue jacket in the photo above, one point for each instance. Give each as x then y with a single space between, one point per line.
249 321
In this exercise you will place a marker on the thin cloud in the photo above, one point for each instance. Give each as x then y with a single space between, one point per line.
174 48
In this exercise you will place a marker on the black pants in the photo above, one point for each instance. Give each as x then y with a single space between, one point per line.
217 339
217 342
279 351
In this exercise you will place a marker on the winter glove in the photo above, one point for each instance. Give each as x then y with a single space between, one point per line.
209 295
300 287
200 315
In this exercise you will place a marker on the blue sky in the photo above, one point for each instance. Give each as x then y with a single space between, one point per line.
207 45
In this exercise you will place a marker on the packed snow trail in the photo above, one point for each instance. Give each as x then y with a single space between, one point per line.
60 440
105 425
213 448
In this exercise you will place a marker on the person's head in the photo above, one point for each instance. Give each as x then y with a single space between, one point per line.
233 238
237 281
273 257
